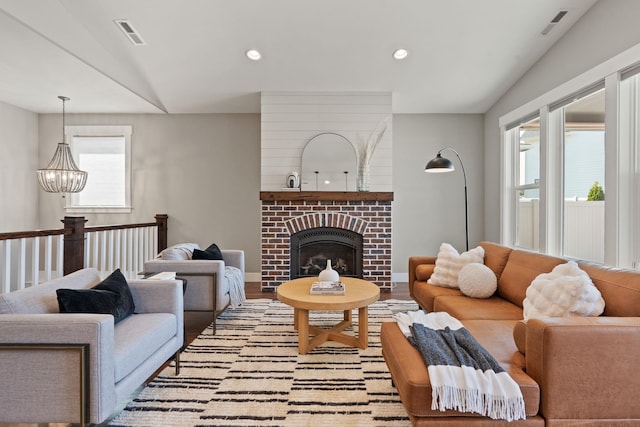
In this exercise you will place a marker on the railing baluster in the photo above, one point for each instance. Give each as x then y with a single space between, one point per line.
136 255
6 277
87 250
118 252
60 257
22 264
96 238
103 251
35 261
47 257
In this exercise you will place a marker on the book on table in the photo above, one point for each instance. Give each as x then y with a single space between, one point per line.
327 288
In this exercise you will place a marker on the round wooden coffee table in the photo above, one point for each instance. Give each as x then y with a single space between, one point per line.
358 294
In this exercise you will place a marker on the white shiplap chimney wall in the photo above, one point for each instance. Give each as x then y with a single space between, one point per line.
290 119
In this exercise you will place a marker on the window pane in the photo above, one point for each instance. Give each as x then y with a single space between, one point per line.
529 149
528 175
106 186
583 225
105 162
527 212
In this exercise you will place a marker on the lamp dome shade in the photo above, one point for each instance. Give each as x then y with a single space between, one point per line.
439 164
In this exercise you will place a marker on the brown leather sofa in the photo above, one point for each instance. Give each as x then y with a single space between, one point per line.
575 371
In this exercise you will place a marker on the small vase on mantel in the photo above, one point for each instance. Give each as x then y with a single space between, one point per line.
329 274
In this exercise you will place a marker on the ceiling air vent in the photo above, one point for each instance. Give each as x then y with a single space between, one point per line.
128 31
553 22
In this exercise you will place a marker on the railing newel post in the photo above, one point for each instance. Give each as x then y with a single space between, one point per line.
73 243
161 221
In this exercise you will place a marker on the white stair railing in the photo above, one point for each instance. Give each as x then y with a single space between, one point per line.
28 258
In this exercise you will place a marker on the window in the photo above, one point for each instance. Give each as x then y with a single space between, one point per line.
583 225
586 157
104 152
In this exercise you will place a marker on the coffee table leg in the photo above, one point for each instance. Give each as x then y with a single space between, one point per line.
347 315
302 319
363 327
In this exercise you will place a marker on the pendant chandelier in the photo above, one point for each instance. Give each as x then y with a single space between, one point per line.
62 175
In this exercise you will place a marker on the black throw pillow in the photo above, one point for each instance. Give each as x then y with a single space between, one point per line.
213 252
111 296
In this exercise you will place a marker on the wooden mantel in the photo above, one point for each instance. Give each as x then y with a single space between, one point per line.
379 196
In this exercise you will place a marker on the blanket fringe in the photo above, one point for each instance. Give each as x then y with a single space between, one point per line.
496 407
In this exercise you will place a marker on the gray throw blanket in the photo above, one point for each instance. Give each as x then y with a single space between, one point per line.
463 375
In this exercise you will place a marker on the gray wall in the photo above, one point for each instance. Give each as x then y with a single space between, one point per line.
428 209
607 29
203 170
18 163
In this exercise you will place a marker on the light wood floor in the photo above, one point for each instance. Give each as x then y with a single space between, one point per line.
196 322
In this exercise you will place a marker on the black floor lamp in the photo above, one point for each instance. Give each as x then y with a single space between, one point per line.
442 164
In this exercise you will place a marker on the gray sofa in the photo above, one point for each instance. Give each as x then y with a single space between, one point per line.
201 276
41 350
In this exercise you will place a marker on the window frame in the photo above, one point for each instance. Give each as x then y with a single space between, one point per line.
125 131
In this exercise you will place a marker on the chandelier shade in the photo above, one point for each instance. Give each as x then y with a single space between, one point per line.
62 175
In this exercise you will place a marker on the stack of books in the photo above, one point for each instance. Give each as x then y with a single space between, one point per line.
327 288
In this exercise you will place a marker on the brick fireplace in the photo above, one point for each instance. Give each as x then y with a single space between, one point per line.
365 217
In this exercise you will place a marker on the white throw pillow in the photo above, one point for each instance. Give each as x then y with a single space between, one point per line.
181 251
449 263
477 280
565 291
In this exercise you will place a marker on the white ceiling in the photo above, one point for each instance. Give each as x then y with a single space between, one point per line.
464 54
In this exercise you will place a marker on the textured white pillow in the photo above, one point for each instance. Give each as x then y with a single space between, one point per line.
477 280
566 291
449 262
181 251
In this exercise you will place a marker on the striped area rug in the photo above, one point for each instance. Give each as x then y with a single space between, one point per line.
250 374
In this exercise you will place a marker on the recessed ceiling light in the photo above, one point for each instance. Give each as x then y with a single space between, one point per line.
253 55
400 53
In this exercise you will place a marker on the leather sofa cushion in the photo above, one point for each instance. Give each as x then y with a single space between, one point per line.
412 378
425 294
620 289
496 257
462 308
520 271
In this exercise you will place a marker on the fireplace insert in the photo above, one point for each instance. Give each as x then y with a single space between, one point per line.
311 248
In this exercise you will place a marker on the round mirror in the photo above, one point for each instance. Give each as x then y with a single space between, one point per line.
328 164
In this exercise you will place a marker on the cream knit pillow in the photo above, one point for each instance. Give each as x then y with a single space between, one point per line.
477 280
449 262
564 292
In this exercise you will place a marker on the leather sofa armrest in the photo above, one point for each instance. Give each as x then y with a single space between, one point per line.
586 367
414 262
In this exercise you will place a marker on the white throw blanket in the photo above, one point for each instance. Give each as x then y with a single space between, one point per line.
464 376
234 277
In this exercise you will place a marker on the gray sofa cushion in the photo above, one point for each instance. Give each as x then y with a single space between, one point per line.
137 337
42 299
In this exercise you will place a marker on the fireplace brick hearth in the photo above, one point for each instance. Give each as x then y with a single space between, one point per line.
284 214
